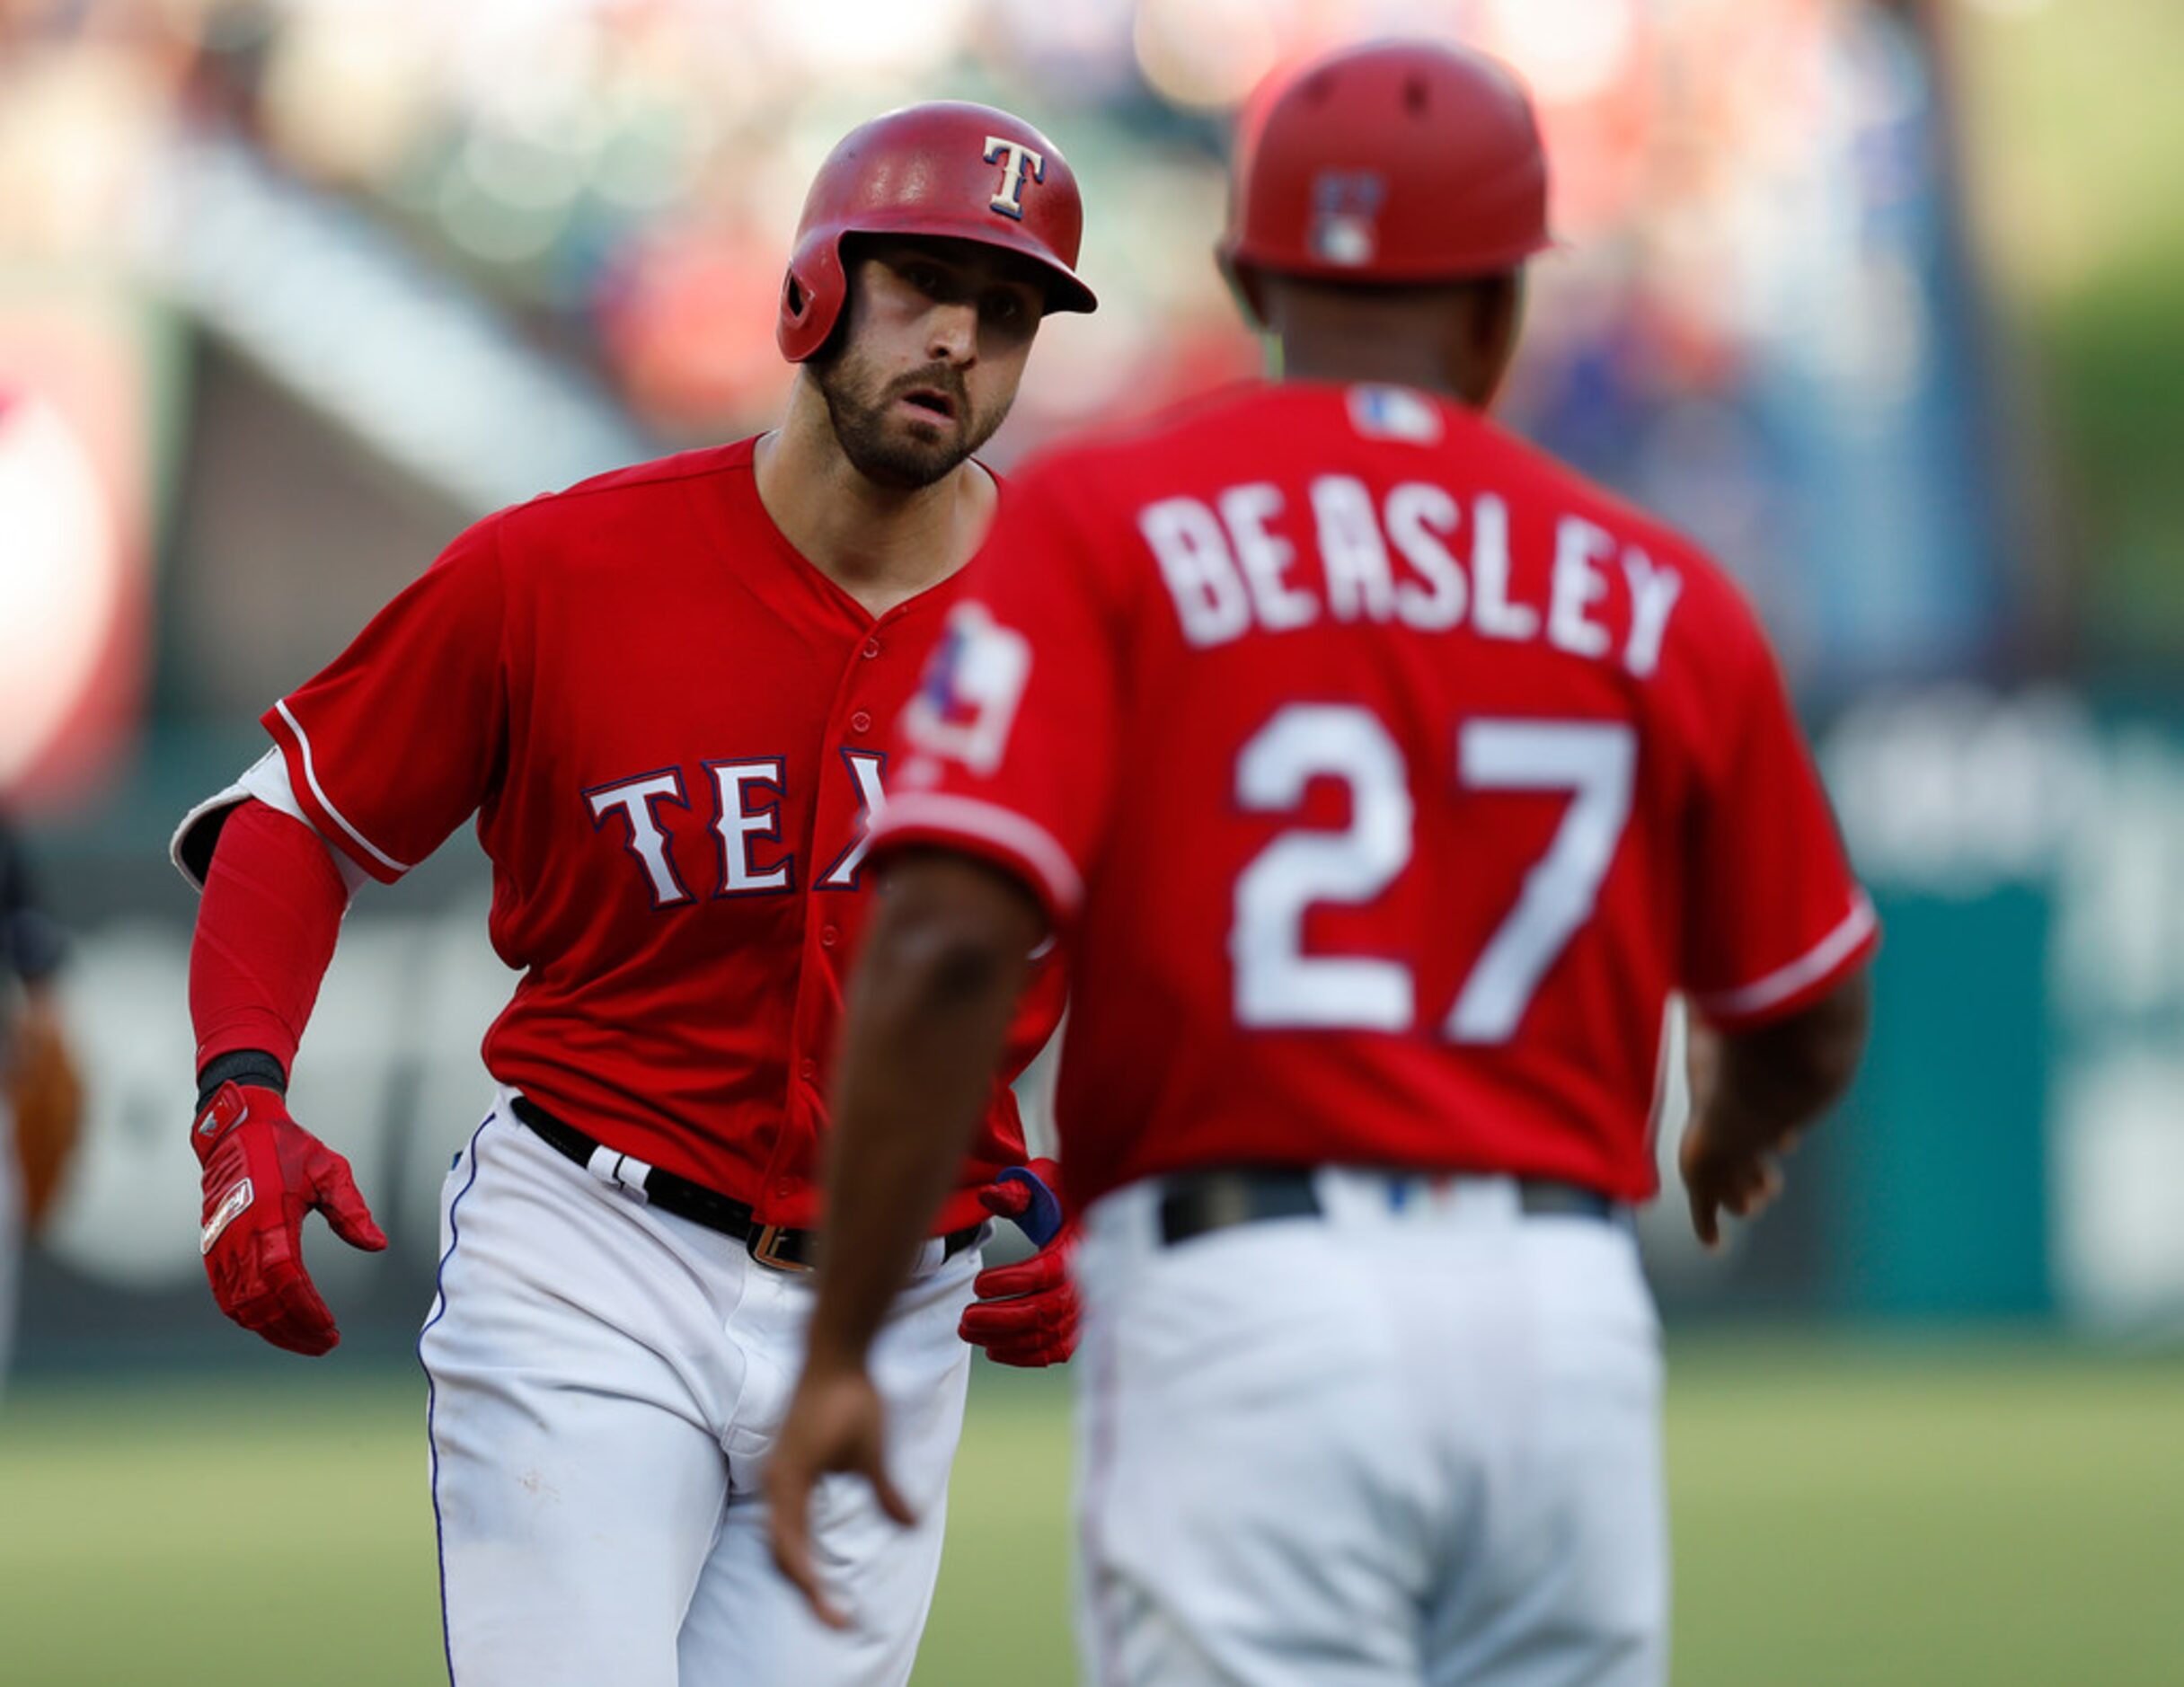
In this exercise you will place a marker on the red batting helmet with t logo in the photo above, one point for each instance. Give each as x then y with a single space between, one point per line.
1397 161
948 168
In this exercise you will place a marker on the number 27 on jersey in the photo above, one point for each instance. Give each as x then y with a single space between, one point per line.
1279 986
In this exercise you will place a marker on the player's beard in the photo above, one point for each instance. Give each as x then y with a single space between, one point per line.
883 445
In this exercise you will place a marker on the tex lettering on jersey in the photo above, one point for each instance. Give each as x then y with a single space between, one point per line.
743 799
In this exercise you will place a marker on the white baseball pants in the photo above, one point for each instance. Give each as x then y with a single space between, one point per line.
607 1383
1415 1440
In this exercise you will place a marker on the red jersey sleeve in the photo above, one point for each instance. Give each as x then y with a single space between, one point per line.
1008 747
393 746
1776 916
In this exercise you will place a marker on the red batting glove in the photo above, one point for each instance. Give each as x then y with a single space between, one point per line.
263 1171
1026 1314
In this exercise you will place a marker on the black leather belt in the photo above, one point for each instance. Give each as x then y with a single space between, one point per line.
1193 1203
775 1245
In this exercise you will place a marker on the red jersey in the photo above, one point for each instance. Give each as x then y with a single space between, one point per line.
670 728
1388 776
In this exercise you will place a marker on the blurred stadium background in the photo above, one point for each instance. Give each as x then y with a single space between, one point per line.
1878 299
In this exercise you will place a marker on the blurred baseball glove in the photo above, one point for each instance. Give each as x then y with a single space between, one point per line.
47 1098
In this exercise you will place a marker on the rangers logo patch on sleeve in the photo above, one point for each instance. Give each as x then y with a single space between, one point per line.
967 702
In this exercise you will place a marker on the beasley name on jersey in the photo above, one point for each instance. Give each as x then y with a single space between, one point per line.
1393 777
1387 555
669 726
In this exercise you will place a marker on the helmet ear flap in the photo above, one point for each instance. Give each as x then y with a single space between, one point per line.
812 293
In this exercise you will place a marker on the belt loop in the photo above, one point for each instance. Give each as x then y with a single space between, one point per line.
623 1171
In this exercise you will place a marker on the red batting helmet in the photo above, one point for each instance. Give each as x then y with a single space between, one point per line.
1401 161
949 168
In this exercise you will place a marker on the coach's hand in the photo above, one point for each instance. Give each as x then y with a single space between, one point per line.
263 1171
836 1421
1725 1176
1026 1314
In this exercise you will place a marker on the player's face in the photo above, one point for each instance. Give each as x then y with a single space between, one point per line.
936 340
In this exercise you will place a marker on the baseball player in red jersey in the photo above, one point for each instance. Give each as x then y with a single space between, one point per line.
663 696
1387 779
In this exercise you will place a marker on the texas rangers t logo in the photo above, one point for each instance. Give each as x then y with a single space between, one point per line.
1010 200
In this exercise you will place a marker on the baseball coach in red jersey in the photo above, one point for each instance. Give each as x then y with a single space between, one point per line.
1387 779
663 697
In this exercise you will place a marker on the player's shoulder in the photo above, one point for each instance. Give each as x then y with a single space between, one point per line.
637 483
1166 444
593 517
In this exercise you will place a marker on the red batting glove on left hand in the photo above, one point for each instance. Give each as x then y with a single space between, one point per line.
1026 1314
263 1171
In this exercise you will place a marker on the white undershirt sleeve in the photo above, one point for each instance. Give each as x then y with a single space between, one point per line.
266 780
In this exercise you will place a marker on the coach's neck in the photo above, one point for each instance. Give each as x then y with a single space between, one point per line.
1455 338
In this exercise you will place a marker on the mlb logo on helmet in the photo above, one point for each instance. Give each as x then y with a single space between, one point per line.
1345 228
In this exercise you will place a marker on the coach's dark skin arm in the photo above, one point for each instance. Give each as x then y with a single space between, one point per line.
929 1010
1754 1091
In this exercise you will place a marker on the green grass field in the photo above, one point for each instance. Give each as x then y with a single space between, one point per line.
1844 1512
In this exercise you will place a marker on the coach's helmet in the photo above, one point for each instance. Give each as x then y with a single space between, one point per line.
948 168
1396 162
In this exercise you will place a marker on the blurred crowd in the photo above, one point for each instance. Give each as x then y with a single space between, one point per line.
1738 185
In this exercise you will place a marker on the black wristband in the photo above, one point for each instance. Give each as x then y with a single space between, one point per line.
252 1066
